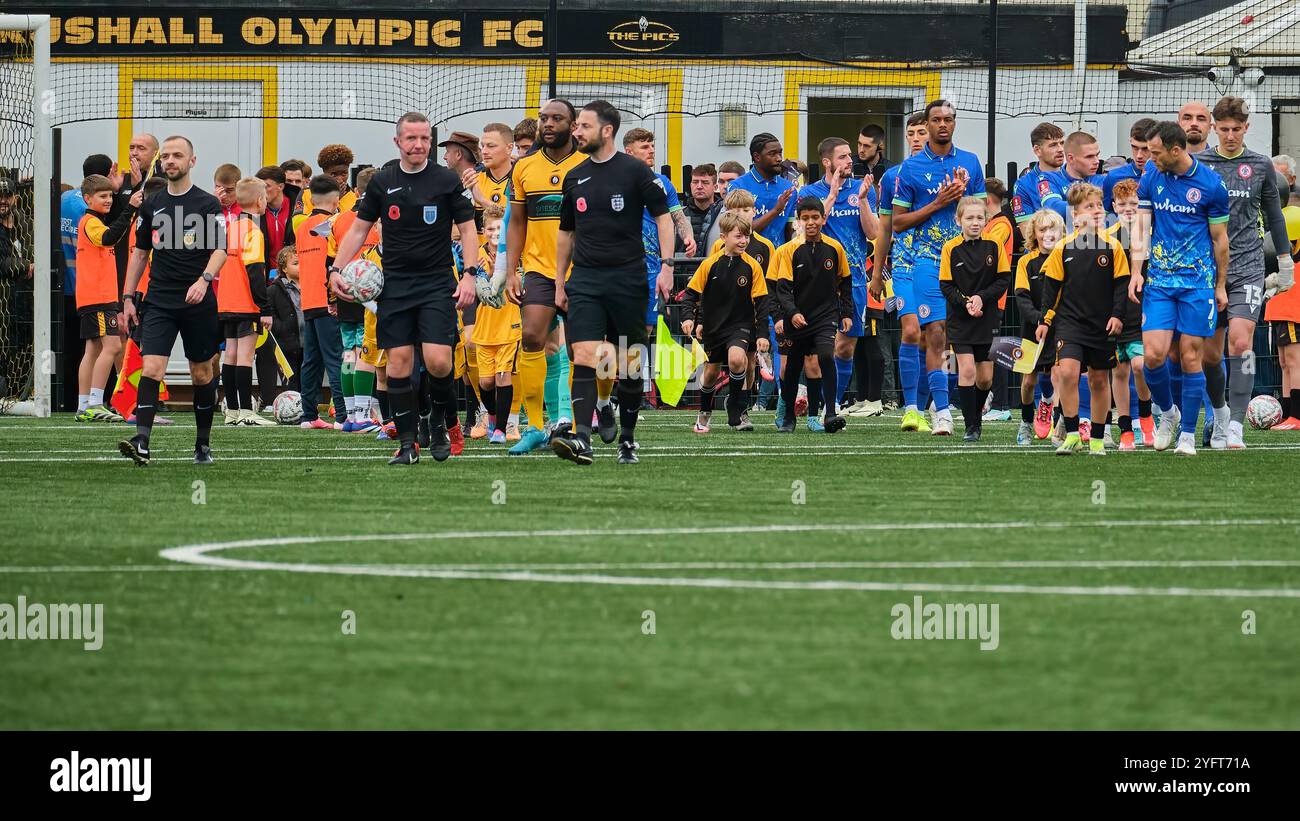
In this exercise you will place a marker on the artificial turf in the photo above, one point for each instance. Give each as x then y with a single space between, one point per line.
743 546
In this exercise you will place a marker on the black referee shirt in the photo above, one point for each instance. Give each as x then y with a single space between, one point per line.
416 211
182 231
602 206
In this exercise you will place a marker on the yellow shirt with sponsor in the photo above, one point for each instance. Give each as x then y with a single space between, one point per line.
536 187
492 190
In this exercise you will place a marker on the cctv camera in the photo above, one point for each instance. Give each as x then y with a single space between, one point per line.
1218 74
1253 76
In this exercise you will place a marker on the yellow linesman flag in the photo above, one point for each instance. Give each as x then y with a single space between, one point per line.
674 363
286 369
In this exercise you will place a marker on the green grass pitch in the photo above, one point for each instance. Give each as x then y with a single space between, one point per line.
522 592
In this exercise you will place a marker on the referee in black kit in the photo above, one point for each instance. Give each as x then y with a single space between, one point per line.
605 295
184 230
418 202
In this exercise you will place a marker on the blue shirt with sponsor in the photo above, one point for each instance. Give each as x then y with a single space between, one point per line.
844 222
901 242
1127 171
650 229
1061 182
766 192
72 207
1183 207
1032 193
918 184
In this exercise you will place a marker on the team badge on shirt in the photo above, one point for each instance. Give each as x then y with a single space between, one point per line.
1103 260
1245 171
555 179
190 238
616 202
430 214
829 264
1043 187
1193 195
854 200
742 281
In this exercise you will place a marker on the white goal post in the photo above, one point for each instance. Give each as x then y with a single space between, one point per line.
43 365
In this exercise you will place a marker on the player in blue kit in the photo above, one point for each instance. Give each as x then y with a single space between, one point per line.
1082 159
925 200
1033 190
1131 170
773 194
1185 204
851 221
892 252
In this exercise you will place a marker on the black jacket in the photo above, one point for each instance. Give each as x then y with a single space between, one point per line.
286 315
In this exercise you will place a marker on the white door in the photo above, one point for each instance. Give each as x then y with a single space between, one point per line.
222 119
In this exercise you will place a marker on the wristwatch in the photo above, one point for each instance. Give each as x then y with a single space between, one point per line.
669 262
334 269
207 277
131 297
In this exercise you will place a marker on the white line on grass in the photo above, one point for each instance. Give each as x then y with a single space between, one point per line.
202 554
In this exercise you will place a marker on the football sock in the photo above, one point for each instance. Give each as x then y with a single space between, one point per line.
790 385
843 373
244 382
364 382
629 403
1190 406
146 406
1026 413
737 397
1144 408
424 392
831 385
584 398
385 412
229 390
938 381
346 371
1071 424
1216 385
923 382
1159 382
488 396
443 396
533 388
604 387
404 405
1240 386
706 399
95 398
504 396
909 374
1125 424
969 409
1295 402
981 396
205 401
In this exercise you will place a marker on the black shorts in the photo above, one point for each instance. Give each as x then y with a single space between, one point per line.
819 341
432 321
99 320
980 352
234 326
716 347
1102 358
196 324
468 315
1046 360
1285 333
614 313
538 290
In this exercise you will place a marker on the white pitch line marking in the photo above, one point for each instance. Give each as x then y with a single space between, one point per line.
201 554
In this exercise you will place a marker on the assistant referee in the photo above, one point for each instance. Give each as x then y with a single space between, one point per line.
605 295
184 230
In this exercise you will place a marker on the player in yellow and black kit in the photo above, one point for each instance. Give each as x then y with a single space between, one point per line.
1087 297
741 202
1044 230
725 295
973 276
815 292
